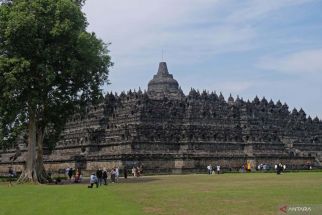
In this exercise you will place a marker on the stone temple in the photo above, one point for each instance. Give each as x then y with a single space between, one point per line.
170 132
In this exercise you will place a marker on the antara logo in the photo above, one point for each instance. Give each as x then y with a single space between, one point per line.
283 209
286 209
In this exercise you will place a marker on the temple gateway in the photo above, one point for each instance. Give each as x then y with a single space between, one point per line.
167 131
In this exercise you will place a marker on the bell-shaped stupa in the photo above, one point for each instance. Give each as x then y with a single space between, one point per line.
164 85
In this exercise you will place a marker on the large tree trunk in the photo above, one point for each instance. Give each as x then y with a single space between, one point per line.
34 168
40 168
30 173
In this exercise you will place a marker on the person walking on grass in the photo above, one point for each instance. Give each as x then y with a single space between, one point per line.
105 176
99 175
218 169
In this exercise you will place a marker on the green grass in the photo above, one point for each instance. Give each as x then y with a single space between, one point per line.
181 194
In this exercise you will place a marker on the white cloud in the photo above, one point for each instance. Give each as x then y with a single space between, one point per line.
235 87
139 30
305 62
256 9
188 30
142 28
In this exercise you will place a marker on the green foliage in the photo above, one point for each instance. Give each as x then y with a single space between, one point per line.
49 63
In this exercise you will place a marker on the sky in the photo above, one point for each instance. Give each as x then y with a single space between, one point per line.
270 49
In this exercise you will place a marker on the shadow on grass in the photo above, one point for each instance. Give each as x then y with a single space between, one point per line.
130 180
138 180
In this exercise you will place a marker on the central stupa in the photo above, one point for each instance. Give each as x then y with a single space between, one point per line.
163 85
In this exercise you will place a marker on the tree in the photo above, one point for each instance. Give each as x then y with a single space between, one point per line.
49 66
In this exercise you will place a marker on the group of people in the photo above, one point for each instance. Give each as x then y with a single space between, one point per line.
280 168
137 171
263 167
212 171
101 176
70 172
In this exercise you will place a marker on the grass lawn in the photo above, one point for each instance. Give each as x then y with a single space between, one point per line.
238 193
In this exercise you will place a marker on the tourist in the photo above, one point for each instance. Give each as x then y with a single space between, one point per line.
113 175
117 174
140 170
77 176
209 168
99 175
279 168
309 166
70 174
105 176
125 172
93 180
265 167
67 171
242 169
137 172
10 175
134 171
218 169
248 167
14 172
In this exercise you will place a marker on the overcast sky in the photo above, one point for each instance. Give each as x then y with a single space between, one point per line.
247 48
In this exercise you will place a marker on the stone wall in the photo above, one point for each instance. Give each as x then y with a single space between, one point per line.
173 132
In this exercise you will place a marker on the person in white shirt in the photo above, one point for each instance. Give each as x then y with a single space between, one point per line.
133 171
218 169
117 174
93 180
209 168
67 171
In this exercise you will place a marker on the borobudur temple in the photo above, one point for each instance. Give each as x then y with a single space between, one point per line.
167 131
